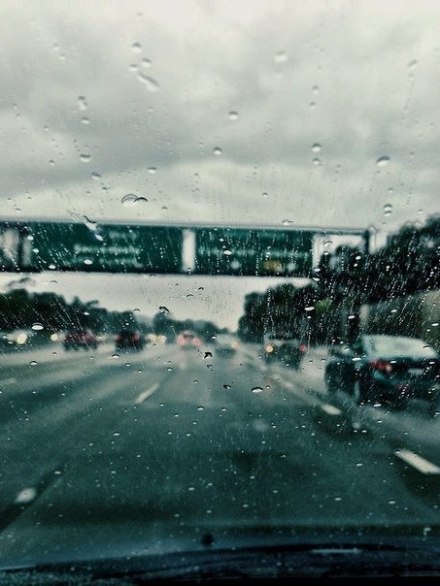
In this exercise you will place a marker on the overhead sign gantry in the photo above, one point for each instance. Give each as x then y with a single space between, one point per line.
162 249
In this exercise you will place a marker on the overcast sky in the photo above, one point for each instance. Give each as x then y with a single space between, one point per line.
320 113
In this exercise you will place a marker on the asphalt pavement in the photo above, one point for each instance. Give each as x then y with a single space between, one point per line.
153 445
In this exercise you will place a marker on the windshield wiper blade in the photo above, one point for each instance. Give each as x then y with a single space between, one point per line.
330 561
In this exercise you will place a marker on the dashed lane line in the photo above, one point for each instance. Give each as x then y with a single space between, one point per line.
419 463
145 394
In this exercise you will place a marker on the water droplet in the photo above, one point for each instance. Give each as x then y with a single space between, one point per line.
33 363
136 47
226 386
412 64
257 389
37 326
265 194
85 120
150 83
164 309
387 210
191 489
233 115
312 105
25 496
85 157
435 324
115 356
315 89
310 308
129 200
152 170
208 355
317 162
51 162
96 176
287 222
87 261
200 408
280 57
316 147
382 161
227 252
82 103
218 151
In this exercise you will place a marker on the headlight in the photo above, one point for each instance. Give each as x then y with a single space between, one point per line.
22 338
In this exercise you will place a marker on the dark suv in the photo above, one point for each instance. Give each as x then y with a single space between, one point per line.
129 340
284 348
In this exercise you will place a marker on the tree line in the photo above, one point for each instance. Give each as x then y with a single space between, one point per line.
341 282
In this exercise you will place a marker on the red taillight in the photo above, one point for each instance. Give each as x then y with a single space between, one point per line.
303 347
382 366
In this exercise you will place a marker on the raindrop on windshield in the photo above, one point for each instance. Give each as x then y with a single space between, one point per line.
387 210
129 200
82 103
85 157
96 176
287 222
316 147
208 355
227 252
233 115
146 63
226 387
317 162
85 120
280 57
33 363
37 326
382 161
137 47
218 151
152 170
257 390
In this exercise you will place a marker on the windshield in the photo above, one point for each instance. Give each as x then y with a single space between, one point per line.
203 206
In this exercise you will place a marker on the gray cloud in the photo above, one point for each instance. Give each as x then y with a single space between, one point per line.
159 81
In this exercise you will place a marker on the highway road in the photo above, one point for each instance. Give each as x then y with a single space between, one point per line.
99 448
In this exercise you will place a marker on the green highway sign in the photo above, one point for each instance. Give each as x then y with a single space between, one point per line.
96 247
251 252
123 248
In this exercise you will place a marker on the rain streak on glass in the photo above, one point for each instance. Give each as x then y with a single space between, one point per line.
150 83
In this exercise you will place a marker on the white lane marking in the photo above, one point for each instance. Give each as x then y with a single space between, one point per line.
8 381
330 409
301 395
417 462
145 394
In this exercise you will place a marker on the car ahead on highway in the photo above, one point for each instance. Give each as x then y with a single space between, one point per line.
389 369
226 344
285 348
80 339
127 339
188 340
